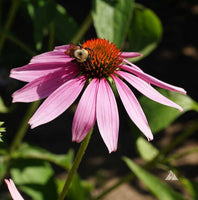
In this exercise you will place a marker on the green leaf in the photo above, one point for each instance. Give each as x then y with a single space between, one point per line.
145 31
76 185
30 151
35 178
160 116
146 150
2 129
161 190
65 25
191 186
112 19
3 166
48 12
44 15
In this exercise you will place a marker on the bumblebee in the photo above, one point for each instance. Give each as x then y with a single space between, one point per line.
81 55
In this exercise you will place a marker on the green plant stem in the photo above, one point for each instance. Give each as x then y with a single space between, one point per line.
178 156
23 127
75 166
151 164
128 177
10 19
82 30
124 179
51 36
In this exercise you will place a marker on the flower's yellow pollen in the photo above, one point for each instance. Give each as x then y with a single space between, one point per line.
104 58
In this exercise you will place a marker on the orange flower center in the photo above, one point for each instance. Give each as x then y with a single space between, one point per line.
104 58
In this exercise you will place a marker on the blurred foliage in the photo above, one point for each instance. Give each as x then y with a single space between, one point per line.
2 130
40 25
145 31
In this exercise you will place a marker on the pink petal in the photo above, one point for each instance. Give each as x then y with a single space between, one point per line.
30 72
153 80
44 86
147 89
85 115
58 101
62 48
132 65
107 115
130 54
52 56
13 190
133 107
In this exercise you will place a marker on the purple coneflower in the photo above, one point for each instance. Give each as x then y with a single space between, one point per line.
62 74
13 190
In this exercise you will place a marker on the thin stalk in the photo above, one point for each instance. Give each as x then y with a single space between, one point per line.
178 156
51 36
24 126
10 19
82 30
76 164
128 177
125 179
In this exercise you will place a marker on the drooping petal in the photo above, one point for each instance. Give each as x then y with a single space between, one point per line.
146 89
30 72
130 54
58 101
132 65
44 86
52 56
133 107
153 80
107 115
85 114
13 190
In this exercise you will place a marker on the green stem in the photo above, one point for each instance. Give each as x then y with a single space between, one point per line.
128 177
24 126
82 30
178 156
11 16
75 166
51 36
124 179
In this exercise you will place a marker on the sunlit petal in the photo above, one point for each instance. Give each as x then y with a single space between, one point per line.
85 115
133 107
30 72
58 101
153 80
148 90
43 86
107 115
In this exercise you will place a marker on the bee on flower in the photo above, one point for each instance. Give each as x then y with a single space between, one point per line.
62 74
